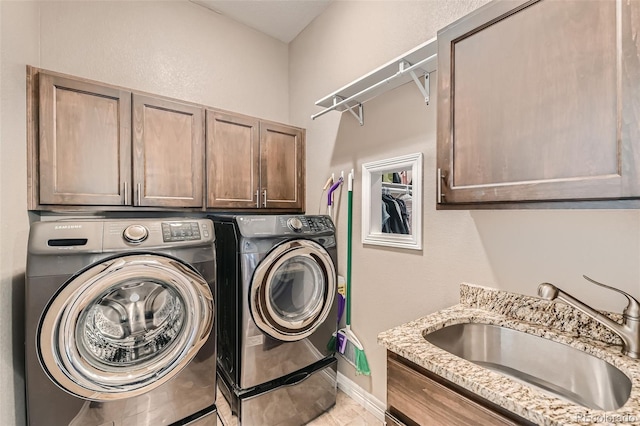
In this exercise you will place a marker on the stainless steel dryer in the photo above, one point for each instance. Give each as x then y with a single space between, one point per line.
277 284
120 323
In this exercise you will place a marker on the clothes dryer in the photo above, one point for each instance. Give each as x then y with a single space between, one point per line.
120 323
277 283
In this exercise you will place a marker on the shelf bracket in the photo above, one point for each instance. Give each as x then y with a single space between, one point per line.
359 116
424 89
339 100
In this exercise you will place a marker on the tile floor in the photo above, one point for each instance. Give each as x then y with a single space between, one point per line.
346 412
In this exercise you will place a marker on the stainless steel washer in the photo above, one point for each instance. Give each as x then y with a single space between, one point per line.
277 282
120 322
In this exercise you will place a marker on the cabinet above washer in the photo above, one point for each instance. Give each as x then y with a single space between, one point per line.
89 154
98 147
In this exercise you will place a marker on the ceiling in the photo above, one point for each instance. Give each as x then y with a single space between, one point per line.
281 19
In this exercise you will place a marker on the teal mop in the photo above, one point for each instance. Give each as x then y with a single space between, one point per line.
347 343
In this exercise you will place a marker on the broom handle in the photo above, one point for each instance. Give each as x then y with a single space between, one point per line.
349 232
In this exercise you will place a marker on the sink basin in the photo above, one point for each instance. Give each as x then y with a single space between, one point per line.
553 367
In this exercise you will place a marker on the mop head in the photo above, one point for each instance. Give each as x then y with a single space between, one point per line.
351 349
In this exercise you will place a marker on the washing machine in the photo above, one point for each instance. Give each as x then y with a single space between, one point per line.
276 281
120 322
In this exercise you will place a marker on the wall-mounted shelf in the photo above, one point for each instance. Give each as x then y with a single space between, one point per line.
417 62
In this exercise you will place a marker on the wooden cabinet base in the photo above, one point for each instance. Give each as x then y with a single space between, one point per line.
391 420
416 396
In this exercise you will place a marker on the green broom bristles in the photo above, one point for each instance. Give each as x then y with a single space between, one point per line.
354 353
362 365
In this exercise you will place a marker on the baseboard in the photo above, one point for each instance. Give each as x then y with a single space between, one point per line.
361 396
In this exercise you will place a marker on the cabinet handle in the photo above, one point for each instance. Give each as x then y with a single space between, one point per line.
126 193
257 198
139 192
264 198
441 177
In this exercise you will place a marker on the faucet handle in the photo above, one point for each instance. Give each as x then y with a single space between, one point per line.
633 307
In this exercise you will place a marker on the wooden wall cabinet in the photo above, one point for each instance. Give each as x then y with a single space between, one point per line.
93 146
168 153
253 164
416 396
233 168
89 156
282 166
73 171
539 100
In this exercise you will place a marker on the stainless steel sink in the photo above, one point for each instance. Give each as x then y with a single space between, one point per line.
551 366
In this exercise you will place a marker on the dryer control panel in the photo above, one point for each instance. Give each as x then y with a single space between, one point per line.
307 224
282 225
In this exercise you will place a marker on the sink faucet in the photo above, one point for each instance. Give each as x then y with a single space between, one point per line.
629 330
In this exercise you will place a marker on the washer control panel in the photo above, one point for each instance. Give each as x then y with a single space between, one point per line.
182 231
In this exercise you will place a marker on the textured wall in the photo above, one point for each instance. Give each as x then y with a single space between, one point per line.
19 38
171 48
510 250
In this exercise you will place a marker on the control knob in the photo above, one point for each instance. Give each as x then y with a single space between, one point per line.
135 233
295 224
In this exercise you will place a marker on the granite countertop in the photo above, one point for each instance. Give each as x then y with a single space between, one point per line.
554 321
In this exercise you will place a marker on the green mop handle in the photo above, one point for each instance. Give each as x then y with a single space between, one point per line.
349 232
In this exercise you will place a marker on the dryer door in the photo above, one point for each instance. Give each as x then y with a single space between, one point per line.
124 326
293 289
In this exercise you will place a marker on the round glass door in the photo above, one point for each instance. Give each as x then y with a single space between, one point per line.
124 326
293 289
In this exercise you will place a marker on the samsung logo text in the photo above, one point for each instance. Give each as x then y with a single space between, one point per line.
67 227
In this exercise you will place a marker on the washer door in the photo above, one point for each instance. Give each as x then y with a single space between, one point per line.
293 289
124 326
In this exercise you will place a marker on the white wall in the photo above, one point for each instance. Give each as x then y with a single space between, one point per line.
19 35
171 48
511 250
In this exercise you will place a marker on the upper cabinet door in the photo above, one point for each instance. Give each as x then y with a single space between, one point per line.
233 160
282 172
168 153
540 100
84 143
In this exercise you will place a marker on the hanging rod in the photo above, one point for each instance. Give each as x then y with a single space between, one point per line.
397 187
341 101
